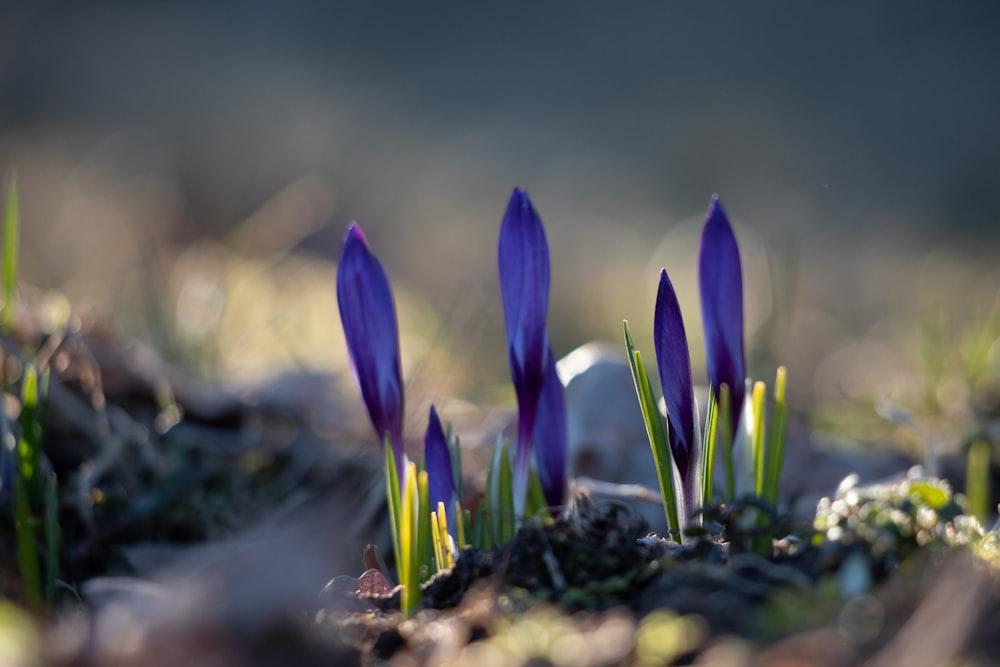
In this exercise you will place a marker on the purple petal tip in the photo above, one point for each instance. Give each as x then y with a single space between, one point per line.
721 284
674 366
437 462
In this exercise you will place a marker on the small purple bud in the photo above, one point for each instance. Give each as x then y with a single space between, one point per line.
437 463
368 315
674 366
721 282
523 259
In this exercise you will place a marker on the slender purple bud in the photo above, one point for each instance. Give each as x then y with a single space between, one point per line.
368 314
437 463
674 366
523 259
721 282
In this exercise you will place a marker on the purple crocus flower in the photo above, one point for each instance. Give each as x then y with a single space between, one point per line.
523 260
550 437
674 366
368 314
721 282
437 463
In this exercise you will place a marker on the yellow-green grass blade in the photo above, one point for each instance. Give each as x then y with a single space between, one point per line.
977 480
395 505
536 503
708 454
655 432
463 523
10 234
441 524
759 429
504 511
409 536
426 549
436 539
776 437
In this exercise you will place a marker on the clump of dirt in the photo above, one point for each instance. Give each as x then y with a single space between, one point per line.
599 560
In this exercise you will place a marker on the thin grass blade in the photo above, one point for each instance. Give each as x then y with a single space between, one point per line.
30 444
536 503
426 549
776 437
977 476
409 538
655 432
464 521
709 439
394 499
504 509
760 428
436 540
10 233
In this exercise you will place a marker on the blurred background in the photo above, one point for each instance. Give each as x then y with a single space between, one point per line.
188 169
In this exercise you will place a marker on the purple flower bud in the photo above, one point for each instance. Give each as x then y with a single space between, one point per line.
437 463
523 260
674 366
368 314
721 282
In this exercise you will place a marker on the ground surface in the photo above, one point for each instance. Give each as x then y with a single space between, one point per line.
201 525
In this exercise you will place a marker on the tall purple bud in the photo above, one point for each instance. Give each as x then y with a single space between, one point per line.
368 315
674 366
551 458
721 282
523 259
437 463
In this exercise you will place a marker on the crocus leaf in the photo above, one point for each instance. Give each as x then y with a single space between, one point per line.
550 438
523 260
368 315
656 433
776 436
393 486
674 366
437 463
721 285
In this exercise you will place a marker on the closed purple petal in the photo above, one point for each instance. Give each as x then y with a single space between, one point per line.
523 259
524 287
437 463
674 366
550 437
368 315
721 282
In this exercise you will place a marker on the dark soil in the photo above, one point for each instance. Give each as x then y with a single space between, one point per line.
599 561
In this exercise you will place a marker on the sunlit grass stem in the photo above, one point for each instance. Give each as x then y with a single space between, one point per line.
977 480
709 443
655 432
10 234
28 490
394 498
499 485
776 437
759 430
425 552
